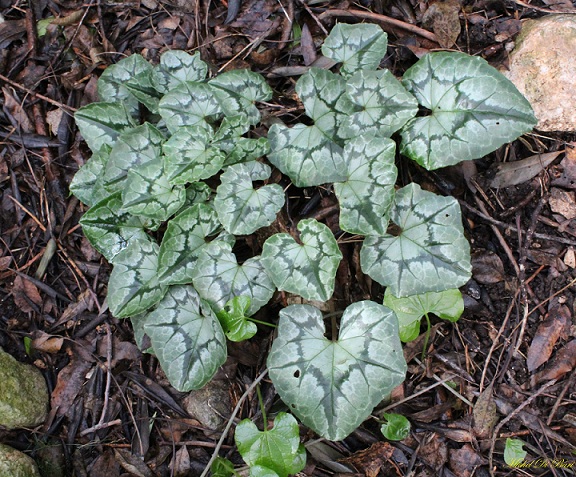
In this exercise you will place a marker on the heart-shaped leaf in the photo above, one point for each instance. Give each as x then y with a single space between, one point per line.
177 67
447 305
366 196
308 270
229 139
218 278
85 185
332 386
468 100
430 253
357 47
242 209
234 319
278 449
142 87
187 338
133 286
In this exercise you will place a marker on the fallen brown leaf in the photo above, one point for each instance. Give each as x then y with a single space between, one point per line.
487 267
464 461
562 202
547 334
443 18
485 416
24 290
369 461
563 362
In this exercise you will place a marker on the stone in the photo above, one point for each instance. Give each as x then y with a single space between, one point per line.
16 464
542 67
23 394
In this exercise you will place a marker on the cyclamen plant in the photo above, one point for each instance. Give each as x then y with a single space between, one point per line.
188 292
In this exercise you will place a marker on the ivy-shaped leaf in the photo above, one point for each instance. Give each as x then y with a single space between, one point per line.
474 110
383 105
234 319
229 139
218 278
177 67
332 386
396 427
277 450
357 47
143 89
241 208
85 183
447 305
307 269
133 286
430 253
189 156
366 196
101 123
187 338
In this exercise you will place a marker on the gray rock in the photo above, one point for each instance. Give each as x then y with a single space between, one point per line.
14 463
23 394
542 67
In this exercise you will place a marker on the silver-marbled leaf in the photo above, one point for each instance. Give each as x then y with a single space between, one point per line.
186 338
332 386
87 182
366 196
307 269
430 252
241 208
229 139
474 110
177 67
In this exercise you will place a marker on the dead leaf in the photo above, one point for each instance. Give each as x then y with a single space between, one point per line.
464 461
434 452
564 362
517 172
567 177
570 258
547 334
487 267
24 290
485 415
562 202
42 341
180 464
133 464
369 461
307 47
15 112
105 464
5 263
444 20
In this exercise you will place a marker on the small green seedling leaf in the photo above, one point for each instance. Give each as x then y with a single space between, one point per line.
218 278
447 305
133 286
474 110
222 467
357 47
261 471
234 319
241 208
186 338
366 196
430 252
514 453
396 427
177 67
308 270
332 386
278 449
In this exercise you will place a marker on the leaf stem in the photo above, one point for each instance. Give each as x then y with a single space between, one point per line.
262 408
272 325
427 336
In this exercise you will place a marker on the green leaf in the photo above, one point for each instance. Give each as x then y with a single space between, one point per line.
101 123
383 105
447 305
87 184
143 89
261 471
277 449
396 427
177 67
307 269
357 47
514 453
430 252
234 319
189 156
133 286
368 192
241 208
229 139
332 386
183 240
474 110
218 278
187 338
222 467
189 104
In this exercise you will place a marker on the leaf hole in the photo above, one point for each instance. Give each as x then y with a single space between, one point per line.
297 373
394 230
293 406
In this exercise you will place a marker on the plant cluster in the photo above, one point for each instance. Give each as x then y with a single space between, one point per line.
175 157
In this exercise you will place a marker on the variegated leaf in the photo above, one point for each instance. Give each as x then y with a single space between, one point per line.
101 123
183 240
133 148
238 90
109 228
143 89
190 157
197 193
357 47
234 319
447 305
366 196
87 182
178 67
241 208
332 386
430 252
218 278
308 270
187 338
383 105
189 104
229 139
133 286
474 110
